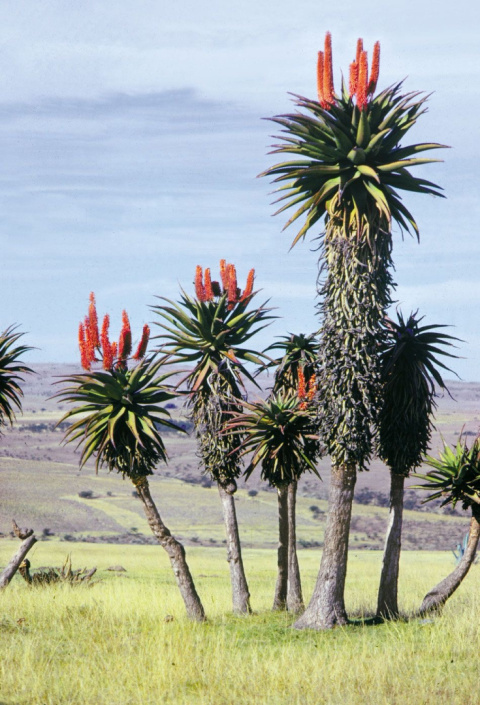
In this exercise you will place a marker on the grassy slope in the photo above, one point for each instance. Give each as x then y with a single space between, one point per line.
110 644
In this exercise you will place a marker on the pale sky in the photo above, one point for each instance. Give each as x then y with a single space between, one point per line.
131 137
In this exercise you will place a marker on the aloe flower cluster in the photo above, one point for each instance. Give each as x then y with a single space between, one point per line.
92 342
207 290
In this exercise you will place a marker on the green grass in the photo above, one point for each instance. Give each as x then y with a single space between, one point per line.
110 644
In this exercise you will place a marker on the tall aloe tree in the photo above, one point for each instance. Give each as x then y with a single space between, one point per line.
348 170
210 331
295 372
12 370
117 412
410 369
280 432
455 478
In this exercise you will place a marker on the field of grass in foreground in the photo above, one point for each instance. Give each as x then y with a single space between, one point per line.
110 644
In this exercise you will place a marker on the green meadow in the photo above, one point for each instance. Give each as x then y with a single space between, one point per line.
125 639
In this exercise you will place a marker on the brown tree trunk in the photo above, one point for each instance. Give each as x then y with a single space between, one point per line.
240 593
294 591
436 598
10 570
327 607
280 599
175 551
387 600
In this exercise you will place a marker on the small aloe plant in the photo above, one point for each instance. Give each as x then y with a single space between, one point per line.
455 478
11 371
117 412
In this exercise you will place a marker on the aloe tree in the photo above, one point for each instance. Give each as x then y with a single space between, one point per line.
210 331
116 418
280 432
295 372
348 170
409 373
455 478
12 370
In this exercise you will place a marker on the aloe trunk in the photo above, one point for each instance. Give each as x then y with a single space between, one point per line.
175 551
436 598
294 591
280 599
240 592
327 607
387 601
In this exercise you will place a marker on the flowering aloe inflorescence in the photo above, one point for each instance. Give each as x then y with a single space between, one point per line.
351 162
112 354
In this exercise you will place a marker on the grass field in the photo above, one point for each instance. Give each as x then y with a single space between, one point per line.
115 643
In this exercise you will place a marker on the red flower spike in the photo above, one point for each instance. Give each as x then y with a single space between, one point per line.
362 88
199 288
89 346
224 274
249 286
113 350
106 345
208 286
372 84
359 50
142 346
93 321
328 88
216 290
312 388
125 342
353 82
84 359
301 384
320 62
232 284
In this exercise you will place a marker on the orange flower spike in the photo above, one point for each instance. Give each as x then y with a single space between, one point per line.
142 346
362 88
249 286
372 84
199 288
93 321
106 345
224 274
113 349
320 62
84 359
353 81
232 284
301 384
359 50
125 342
89 346
208 286
312 388
328 88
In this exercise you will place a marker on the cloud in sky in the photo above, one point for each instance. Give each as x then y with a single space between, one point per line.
131 137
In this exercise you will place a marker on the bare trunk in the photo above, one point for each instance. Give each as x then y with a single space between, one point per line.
294 592
327 607
240 593
175 552
436 598
280 599
387 601
8 573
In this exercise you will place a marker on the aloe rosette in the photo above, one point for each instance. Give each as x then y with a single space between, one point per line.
12 370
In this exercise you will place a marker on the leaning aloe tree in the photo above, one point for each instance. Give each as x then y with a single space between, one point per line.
348 170
409 372
116 418
281 435
455 478
210 331
12 370
295 372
